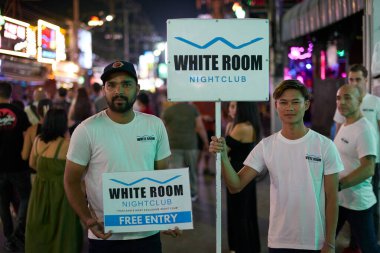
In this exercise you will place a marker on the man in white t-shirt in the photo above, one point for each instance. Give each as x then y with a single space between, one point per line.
109 142
370 108
358 151
303 167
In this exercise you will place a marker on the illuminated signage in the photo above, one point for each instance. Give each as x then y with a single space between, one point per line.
49 42
16 38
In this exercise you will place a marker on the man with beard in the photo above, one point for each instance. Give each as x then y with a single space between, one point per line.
109 142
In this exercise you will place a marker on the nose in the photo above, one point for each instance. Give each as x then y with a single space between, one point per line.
119 89
290 107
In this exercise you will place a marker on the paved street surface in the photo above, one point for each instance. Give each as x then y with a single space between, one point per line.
202 238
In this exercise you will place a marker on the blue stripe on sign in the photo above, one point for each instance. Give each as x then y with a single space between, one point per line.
147 219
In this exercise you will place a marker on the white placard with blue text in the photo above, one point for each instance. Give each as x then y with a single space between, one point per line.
147 200
218 59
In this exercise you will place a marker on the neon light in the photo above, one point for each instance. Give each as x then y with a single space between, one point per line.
47 39
296 53
323 65
308 66
14 30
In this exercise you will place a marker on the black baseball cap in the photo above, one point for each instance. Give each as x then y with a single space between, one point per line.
118 66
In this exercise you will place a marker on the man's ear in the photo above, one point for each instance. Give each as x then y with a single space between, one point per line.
137 88
307 105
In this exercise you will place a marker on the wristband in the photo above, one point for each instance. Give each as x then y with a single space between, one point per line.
331 245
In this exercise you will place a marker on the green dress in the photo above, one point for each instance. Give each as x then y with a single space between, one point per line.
52 225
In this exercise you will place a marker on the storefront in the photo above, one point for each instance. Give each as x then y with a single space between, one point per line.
322 38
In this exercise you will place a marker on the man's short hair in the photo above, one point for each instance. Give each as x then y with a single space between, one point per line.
5 89
291 84
62 92
143 98
359 67
359 90
96 87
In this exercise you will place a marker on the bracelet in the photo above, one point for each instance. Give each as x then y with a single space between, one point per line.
331 246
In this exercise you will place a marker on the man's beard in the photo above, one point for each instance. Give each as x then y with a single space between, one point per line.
121 108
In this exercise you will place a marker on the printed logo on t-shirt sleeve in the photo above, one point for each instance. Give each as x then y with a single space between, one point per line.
8 119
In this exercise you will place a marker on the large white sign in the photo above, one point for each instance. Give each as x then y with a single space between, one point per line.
218 59
147 200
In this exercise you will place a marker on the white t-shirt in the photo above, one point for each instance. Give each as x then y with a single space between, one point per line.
106 146
297 196
354 142
370 108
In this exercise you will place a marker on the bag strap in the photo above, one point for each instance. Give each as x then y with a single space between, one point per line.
34 110
58 148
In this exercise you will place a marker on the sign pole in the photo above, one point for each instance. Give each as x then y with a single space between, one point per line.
218 190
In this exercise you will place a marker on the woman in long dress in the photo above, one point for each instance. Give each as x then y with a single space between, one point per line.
242 134
52 225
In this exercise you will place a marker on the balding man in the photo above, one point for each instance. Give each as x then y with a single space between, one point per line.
31 109
357 147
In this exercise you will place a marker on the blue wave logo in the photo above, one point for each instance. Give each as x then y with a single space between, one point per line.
221 39
145 178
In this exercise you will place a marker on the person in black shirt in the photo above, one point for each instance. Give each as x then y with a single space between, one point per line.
14 173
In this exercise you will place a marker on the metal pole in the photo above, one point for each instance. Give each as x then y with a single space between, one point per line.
75 31
126 30
218 191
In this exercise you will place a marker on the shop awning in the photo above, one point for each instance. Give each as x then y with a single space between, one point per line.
312 15
22 70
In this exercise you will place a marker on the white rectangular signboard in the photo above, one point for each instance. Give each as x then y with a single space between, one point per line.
147 200
218 59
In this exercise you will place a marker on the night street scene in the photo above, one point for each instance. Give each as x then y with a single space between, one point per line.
227 126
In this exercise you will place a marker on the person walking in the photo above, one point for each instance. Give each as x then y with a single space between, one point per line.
183 122
14 173
52 225
358 151
241 138
370 109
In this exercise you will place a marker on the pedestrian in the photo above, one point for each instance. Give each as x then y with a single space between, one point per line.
142 103
31 109
370 109
357 148
81 108
52 225
183 122
241 138
303 167
14 173
107 142
61 100
43 107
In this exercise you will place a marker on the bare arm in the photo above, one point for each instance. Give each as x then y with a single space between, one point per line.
77 199
33 156
331 210
364 171
161 164
27 146
201 130
234 181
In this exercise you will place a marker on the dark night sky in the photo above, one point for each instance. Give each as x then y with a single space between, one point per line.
160 11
